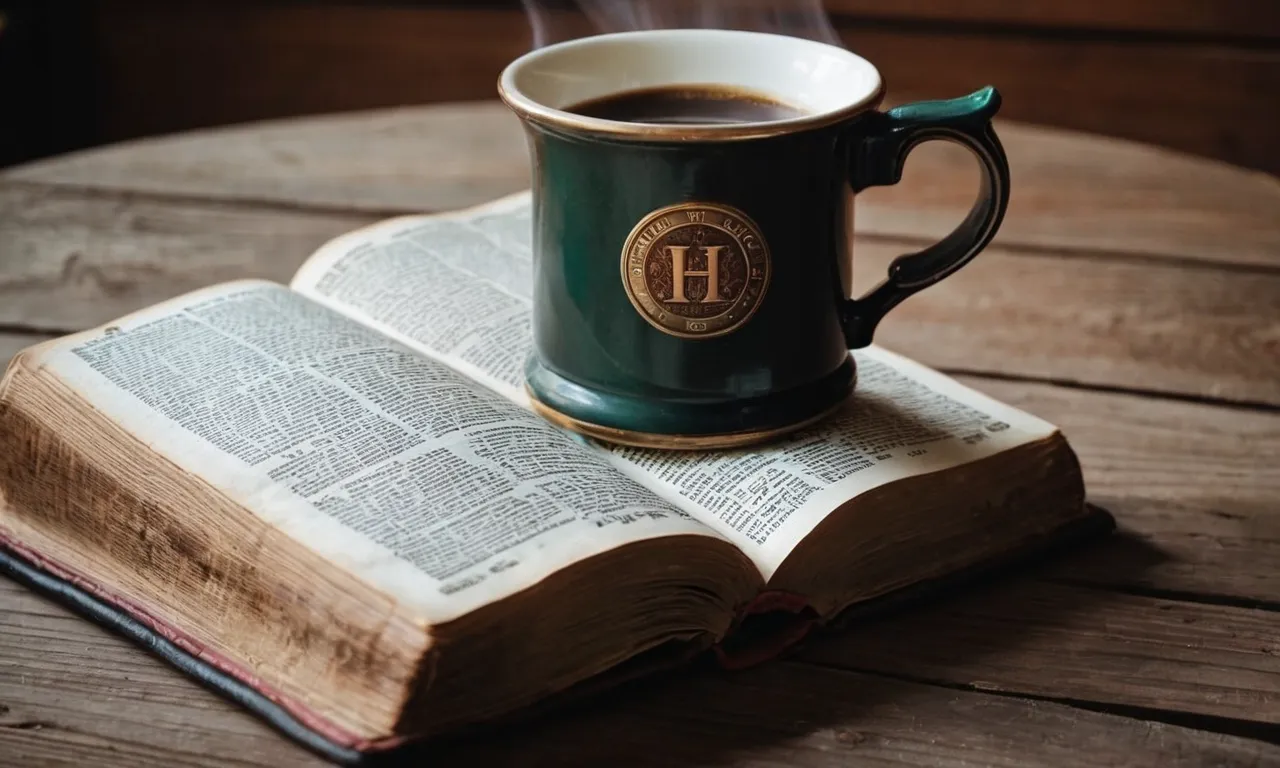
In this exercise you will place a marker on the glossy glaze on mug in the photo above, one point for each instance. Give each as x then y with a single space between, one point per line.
585 327
604 364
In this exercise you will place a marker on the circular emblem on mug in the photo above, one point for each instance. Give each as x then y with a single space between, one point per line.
696 270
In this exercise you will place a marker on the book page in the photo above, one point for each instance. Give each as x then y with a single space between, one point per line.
387 463
454 286
903 420
457 287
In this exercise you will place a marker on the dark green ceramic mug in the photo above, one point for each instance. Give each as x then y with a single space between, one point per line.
690 279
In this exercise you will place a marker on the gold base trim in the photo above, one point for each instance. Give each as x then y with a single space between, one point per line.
672 442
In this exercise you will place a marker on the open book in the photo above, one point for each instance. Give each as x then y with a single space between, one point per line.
335 496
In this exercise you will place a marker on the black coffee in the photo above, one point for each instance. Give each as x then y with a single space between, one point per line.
686 106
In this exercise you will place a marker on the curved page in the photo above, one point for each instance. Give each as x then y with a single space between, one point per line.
385 462
456 286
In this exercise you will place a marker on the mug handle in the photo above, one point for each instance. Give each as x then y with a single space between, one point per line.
877 160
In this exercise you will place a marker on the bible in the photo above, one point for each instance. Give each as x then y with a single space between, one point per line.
331 500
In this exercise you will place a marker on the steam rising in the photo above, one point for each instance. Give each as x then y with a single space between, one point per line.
557 20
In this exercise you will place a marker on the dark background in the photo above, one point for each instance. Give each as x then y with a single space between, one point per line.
1201 76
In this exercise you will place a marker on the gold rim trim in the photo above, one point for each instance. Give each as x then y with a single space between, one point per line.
674 442
722 326
538 113
615 129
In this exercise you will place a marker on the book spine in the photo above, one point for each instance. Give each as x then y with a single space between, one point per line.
764 629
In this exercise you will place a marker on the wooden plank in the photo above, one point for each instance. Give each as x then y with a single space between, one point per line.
1088 193
1192 487
103 702
211 64
1221 18
1069 190
77 260
73 694
789 715
72 260
386 162
1042 639
1159 327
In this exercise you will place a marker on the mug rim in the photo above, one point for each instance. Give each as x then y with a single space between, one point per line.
535 111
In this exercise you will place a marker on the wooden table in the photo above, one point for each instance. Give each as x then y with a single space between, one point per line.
1133 297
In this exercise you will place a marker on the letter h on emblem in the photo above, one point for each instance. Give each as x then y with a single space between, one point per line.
679 254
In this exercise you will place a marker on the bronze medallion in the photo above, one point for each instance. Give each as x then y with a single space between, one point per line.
696 270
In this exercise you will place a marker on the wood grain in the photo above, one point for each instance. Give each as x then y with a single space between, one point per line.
1145 325
80 696
1119 267
1192 487
72 260
788 714
1222 18
211 64
1087 193
1047 640
74 694
75 260
1069 190
385 161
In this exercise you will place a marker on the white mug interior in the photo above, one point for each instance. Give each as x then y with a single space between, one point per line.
824 83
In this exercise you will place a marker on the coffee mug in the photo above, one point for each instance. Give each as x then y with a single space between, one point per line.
689 278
